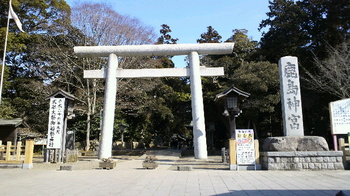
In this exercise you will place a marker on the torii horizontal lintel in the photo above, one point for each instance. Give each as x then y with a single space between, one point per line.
154 73
154 50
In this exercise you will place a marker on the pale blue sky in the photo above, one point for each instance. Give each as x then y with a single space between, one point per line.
188 19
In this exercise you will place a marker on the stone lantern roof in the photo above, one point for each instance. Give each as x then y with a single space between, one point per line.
230 90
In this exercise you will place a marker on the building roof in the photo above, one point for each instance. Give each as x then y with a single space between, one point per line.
232 89
62 93
12 122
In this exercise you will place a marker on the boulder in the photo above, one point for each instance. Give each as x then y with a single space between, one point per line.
295 143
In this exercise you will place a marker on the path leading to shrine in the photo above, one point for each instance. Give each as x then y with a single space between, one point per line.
208 177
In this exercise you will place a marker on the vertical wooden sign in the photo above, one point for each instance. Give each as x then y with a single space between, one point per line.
56 123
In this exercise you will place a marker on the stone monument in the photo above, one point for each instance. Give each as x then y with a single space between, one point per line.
290 97
295 151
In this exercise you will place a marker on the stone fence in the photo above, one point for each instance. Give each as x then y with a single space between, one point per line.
303 160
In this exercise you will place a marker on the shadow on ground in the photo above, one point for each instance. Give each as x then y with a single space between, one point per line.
288 192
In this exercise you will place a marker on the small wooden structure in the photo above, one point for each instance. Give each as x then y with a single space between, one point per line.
9 129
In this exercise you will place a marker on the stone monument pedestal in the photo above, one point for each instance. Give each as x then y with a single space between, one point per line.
303 160
300 153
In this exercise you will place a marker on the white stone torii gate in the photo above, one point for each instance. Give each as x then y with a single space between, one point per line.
195 72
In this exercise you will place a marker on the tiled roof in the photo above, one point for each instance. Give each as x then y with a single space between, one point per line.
12 122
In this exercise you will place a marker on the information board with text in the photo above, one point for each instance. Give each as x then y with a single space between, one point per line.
245 146
340 116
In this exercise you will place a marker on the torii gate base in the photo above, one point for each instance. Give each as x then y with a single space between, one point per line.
112 72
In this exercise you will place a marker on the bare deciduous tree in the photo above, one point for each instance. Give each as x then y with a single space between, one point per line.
104 26
333 74
100 25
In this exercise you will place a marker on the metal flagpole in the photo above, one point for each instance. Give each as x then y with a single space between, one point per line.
4 55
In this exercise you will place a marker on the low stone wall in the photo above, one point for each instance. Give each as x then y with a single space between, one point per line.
303 160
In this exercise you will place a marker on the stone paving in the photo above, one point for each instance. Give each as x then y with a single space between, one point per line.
208 177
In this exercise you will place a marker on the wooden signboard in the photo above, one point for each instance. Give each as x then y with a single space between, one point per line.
56 123
245 147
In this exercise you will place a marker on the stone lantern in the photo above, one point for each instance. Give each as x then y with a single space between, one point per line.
233 98
122 128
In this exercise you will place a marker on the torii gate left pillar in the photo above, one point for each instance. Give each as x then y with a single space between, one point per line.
192 50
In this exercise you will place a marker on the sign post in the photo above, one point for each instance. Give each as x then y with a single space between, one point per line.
56 135
245 147
340 119
56 123
61 109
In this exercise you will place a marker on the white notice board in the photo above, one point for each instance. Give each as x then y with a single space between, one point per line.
340 116
245 147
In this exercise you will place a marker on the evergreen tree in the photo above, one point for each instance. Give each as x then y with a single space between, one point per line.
211 36
244 71
299 28
25 90
165 37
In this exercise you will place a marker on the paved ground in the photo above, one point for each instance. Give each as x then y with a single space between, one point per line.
129 178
